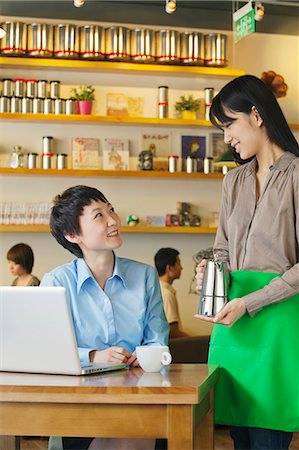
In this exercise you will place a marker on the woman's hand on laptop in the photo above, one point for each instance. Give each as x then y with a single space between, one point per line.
112 355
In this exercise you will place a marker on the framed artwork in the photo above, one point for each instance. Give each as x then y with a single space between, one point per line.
218 149
194 146
116 154
117 104
158 143
85 153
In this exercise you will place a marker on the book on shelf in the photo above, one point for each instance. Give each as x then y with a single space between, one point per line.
194 146
158 143
85 153
122 105
116 155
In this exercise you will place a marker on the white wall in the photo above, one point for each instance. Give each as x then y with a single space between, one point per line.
255 54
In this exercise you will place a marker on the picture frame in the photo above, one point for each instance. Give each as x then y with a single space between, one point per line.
218 149
194 146
85 153
158 143
116 155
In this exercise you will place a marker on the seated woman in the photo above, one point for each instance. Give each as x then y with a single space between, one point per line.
20 260
116 302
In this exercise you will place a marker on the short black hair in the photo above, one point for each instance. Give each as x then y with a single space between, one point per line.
67 209
240 95
21 254
165 257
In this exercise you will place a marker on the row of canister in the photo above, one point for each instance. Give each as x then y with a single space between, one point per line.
47 160
190 164
26 105
30 88
114 43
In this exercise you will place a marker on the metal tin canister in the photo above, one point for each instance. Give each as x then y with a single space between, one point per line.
48 144
38 105
31 88
40 40
59 106
208 165
66 41
215 49
191 164
61 161
16 104
7 87
42 88
49 106
71 106
173 163
47 159
162 102
32 160
192 48
55 89
14 42
92 42
5 103
27 105
209 95
143 45
167 46
20 87
117 43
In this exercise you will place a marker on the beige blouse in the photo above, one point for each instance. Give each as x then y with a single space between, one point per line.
262 235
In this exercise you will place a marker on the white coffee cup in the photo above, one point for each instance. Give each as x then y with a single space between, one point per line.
152 358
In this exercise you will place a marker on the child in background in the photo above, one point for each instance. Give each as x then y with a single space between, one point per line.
20 262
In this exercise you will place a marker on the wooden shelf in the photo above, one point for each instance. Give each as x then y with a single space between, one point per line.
111 173
124 229
119 67
75 118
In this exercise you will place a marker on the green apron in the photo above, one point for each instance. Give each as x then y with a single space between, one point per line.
259 360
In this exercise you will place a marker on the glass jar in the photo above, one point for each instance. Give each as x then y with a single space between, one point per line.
17 157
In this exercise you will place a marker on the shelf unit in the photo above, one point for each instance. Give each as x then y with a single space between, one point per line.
124 229
111 173
89 119
118 67
112 68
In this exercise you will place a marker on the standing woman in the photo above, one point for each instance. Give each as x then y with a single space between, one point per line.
255 339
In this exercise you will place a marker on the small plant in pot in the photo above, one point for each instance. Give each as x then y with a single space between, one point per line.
84 96
187 106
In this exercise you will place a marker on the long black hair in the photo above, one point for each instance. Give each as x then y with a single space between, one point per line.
240 95
67 209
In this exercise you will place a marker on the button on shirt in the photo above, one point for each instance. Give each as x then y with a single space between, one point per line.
262 235
128 312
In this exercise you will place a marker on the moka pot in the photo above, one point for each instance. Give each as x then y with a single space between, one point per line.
214 288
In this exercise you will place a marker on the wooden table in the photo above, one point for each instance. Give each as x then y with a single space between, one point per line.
176 404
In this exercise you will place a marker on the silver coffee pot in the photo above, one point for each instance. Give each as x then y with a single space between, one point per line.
214 288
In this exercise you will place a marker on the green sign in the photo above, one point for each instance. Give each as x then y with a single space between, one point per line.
244 25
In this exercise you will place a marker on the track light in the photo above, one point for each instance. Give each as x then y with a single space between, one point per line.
79 3
259 11
2 33
170 6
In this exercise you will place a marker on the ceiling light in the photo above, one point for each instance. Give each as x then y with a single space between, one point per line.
259 11
2 33
170 6
79 3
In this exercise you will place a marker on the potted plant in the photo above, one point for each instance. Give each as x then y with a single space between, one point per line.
187 106
85 96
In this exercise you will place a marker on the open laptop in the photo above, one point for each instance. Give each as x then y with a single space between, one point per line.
37 333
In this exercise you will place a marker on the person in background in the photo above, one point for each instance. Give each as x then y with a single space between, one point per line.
168 265
20 260
255 339
115 302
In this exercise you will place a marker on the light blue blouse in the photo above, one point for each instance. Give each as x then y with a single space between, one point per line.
128 312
